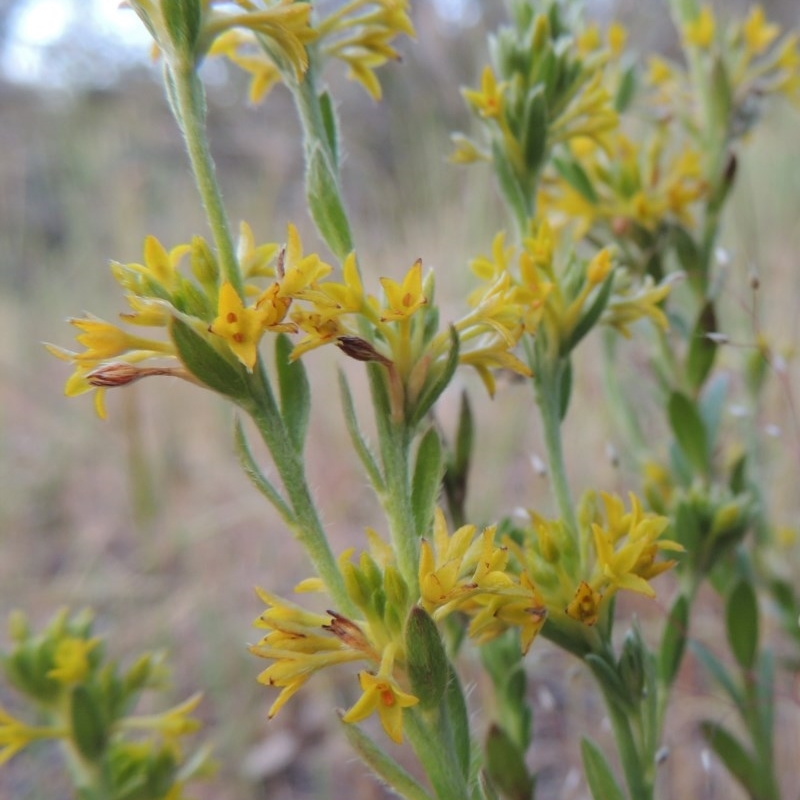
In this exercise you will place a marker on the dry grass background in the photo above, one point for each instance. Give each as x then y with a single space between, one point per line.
147 518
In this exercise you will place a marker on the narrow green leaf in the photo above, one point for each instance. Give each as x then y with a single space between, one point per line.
610 680
206 363
741 620
458 721
717 670
331 127
90 730
534 131
487 790
295 392
733 755
426 661
689 431
712 403
673 642
573 173
590 316
465 437
427 481
257 478
325 203
509 185
359 443
382 765
431 394
602 783
565 389
702 350
626 89
505 763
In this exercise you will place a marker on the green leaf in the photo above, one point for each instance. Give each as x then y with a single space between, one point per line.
741 619
206 363
325 203
331 127
294 391
432 392
505 763
487 790
426 661
385 767
90 731
602 783
573 173
609 679
458 721
427 481
356 437
257 478
702 350
673 642
565 389
465 437
712 406
733 755
509 185
717 670
590 316
626 89
534 131
689 431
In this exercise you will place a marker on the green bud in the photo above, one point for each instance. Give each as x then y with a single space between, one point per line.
631 664
426 661
395 588
354 585
138 676
727 518
540 34
203 263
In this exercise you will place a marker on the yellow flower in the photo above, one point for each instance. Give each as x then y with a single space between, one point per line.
72 659
363 40
242 328
403 299
588 39
103 340
160 266
617 37
15 735
263 73
757 32
700 31
585 606
296 271
659 71
488 102
381 693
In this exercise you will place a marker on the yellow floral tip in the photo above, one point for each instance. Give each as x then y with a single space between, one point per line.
310 585
599 267
466 151
585 605
700 31
588 40
382 693
71 660
403 299
617 38
240 327
659 71
488 101
758 34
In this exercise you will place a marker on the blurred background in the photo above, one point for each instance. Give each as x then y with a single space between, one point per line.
146 517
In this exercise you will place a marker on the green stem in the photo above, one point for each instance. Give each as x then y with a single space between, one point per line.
395 444
309 531
190 110
548 376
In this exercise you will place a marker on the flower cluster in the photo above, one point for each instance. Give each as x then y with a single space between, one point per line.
359 33
466 572
87 702
617 549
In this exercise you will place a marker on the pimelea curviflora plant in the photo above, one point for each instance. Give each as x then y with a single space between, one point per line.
614 175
